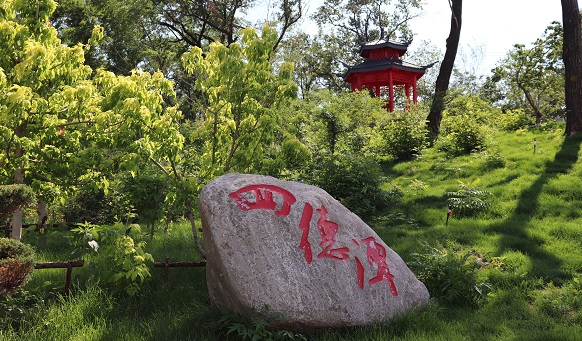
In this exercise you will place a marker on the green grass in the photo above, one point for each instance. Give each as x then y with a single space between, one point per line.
529 242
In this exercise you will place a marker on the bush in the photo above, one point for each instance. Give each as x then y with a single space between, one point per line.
461 135
402 137
116 255
16 264
257 326
449 275
14 197
513 120
468 200
91 204
353 180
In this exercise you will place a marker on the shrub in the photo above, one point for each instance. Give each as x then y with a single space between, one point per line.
461 134
513 120
468 200
353 180
91 204
16 264
257 327
116 254
402 137
449 275
14 197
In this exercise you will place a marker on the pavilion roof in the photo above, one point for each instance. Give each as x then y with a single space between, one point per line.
381 43
383 64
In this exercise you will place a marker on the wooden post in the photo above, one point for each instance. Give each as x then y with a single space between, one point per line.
166 269
69 265
167 265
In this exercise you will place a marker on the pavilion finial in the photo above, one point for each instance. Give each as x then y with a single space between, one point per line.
381 33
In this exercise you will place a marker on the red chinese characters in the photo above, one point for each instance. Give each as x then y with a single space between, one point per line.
304 225
375 252
377 255
327 230
263 195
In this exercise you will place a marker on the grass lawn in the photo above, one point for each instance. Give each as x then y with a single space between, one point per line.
528 243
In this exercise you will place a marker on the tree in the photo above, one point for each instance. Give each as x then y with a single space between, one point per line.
442 83
143 44
536 73
60 124
572 56
244 96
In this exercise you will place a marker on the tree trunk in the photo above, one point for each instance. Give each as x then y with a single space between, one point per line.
532 103
442 83
41 224
190 216
17 216
572 56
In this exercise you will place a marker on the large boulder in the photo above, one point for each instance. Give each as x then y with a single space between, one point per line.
296 250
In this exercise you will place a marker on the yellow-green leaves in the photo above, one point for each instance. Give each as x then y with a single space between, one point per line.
96 36
67 126
243 92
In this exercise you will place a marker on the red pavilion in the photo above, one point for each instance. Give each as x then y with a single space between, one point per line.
384 68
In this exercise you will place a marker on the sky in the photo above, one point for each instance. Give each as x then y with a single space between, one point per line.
493 25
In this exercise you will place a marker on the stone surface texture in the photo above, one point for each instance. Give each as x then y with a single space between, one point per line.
295 249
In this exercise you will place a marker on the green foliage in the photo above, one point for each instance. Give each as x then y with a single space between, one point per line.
259 326
341 122
14 197
145 193
531 78
513 120
468 200
465 123
15 307
91 204
117 255
354 180
64 124
402 136
16 264
493 158
564 302
450 275
244 96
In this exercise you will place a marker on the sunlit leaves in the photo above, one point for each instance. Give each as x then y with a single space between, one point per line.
244 93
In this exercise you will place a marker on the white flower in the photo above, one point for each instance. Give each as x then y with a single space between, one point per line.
93 244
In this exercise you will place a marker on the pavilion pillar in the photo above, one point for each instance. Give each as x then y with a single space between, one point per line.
407 92
378 91
414 91
391 90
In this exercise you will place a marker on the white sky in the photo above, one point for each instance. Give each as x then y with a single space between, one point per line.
495 25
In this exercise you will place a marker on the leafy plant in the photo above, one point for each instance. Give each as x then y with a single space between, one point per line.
513 120
13 197
13 307
468 200
353 180
257 327
450 275
94 205
16 264
403 136
115 256
561 302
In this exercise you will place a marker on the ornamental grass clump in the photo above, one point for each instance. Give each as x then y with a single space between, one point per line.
16 265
